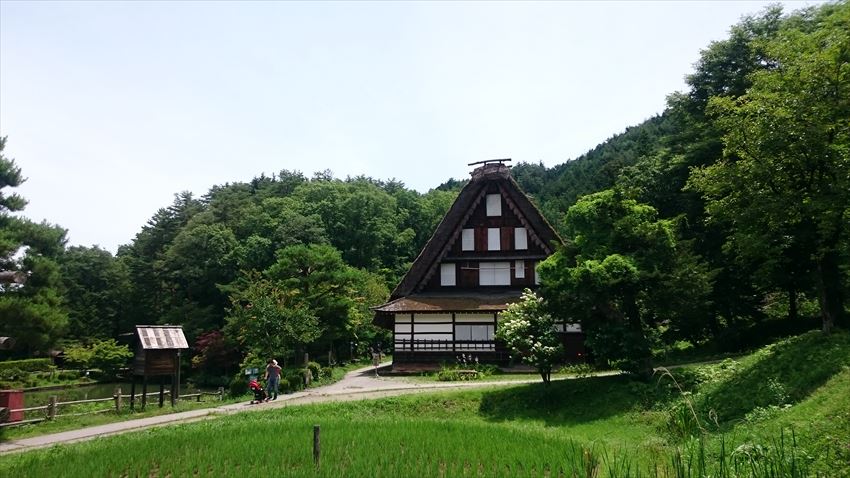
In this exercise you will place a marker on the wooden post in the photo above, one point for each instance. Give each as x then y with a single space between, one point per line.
307 375
173 394
220 393
317 446
133 394
144 391
176 388
161 391
117 398
51 407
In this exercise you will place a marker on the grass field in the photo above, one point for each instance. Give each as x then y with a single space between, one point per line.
783 411
65 423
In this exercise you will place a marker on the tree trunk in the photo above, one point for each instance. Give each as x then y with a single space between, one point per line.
831 300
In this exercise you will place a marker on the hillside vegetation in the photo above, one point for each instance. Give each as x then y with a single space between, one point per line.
769 412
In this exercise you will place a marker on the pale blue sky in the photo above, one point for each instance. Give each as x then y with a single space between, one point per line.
110 108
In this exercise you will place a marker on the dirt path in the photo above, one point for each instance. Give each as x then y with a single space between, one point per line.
356 385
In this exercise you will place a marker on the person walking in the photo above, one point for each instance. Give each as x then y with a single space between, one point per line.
272 378
376 359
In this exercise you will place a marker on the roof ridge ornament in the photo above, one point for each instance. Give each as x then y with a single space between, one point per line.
490 168
489 161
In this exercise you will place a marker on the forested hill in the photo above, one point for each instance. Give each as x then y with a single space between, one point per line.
723 220
559 187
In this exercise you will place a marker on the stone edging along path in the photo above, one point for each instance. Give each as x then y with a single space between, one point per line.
359 384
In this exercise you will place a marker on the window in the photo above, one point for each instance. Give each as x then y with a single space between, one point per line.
494 239
447 274
494 273
494 204
519 267
468 240
473 332
520 239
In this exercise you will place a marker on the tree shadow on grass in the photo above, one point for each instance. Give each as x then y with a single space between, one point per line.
571 402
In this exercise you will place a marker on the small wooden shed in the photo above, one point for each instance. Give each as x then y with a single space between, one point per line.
157 354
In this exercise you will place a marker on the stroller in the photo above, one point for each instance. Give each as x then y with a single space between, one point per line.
260 394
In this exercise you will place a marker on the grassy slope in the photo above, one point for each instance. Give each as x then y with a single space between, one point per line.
611 417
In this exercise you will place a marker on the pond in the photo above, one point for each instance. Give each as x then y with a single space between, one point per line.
98 390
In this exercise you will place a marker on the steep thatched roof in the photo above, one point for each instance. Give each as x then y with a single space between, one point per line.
449 229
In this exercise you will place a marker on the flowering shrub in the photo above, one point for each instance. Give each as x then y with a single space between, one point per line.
529 331
467 368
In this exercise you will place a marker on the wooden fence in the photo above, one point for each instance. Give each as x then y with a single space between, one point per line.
117 399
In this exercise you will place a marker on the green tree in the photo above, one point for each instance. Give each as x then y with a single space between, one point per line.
31 308
151 292
96 287
319 279
269 321
786 166
529 331
621 274
200 258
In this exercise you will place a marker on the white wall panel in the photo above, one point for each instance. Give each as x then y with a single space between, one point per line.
402 328
494 273
421 328
487 318
425 318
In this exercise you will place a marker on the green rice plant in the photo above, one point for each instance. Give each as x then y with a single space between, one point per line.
778 458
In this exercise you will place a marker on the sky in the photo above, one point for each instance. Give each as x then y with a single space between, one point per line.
111 108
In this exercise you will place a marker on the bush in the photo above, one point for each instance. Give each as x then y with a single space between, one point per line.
11 374
106 355
314 368
210 380
580 370
456 375
68 375
29 365
238 387
293 380
327 373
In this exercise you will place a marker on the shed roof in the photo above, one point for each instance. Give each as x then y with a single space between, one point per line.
161 337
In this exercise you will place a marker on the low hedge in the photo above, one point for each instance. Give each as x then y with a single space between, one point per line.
29 365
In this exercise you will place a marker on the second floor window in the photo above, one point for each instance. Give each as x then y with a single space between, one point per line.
447 274
520 239
494 205
494 239
468 240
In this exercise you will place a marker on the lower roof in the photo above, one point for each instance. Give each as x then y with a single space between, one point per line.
435 302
